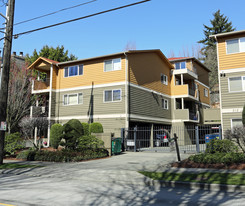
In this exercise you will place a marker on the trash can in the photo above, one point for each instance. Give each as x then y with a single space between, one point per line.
116 145
209 137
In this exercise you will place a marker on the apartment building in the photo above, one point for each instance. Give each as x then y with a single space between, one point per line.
140 87
231 70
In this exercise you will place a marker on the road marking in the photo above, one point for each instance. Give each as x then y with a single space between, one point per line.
6 204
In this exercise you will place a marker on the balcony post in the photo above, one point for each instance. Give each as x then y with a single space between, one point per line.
50 103
182 79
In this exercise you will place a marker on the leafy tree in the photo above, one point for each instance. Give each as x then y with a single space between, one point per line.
219 24
73 129
57 54
56 132
243 115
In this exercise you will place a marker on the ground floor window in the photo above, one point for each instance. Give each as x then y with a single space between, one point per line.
236 122
73 99
112 95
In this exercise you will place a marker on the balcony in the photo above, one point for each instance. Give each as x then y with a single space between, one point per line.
187 73
40 111
39 86
186 115
185 91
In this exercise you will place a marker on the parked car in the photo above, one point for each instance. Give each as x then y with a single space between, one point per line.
161 140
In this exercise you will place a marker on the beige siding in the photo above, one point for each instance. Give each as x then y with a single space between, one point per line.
230 61
202 97
148 104
145 70
231 99
203 74
227 119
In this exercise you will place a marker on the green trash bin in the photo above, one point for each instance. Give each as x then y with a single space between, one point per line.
116 146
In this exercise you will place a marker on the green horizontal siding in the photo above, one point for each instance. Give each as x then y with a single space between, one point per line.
227 119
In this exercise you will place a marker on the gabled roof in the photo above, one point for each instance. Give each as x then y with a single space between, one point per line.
176 59
227 34
41 59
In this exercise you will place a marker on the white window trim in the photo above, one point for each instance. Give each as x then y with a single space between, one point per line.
205 92
238 46
164 82
242 85
180 65
163 103
113 65
112 95
68 99
234 119
77 71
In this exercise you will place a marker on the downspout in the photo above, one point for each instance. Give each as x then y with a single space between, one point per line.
126 93
50 103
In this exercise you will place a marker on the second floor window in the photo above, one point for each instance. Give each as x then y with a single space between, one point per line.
164 103
73 71
236 84
164 79
112 95
235 45
112 65
180 65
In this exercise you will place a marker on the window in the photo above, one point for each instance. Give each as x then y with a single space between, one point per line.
73 71
236 84
73 99
235 45
180 65
112 65
164 103
112 95
164 79
236 122
205 92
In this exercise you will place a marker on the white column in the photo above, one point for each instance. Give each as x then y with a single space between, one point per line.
50 103
182 80
182 103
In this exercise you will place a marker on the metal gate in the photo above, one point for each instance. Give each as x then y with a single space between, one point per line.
191 139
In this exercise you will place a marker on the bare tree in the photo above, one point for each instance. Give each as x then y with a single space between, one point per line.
130 46
171 54
29 125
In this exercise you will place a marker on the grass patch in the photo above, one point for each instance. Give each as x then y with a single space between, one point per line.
16 166
208 177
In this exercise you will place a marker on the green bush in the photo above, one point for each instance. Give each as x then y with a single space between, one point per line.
56 132
13 142
63 155
221 146
95 127
90 142
224 158
73 129
85 128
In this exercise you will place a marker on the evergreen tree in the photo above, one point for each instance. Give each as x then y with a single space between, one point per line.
219 24
243 115
57 54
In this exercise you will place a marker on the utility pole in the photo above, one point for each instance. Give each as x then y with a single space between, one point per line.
5 72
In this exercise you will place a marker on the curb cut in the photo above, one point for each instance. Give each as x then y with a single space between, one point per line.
195 185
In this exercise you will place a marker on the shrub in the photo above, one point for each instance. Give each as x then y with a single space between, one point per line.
56 132
237 135
85 128
27 155
13 142
90 142
95 127
73 129
221 146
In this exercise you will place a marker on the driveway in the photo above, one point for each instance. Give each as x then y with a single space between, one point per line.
111 181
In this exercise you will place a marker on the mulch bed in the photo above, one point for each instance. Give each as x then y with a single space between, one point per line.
191 164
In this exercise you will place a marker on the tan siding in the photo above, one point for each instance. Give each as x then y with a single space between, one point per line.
98 105
203 74
93 72
203 99
230 61
227 119
55 77
148 104
231 99
145 70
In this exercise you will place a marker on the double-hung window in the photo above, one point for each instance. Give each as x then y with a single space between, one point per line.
112 65
205 92
180 65
112 95
164 79
73 70
73 99
235 45
164 103
237 84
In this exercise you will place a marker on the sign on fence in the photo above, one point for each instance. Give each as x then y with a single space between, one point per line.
3 126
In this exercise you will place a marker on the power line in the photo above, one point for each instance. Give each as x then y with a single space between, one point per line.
80 18
55 12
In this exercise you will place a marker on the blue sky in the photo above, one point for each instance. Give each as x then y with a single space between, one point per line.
169 25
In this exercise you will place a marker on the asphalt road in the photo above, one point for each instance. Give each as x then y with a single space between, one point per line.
112 181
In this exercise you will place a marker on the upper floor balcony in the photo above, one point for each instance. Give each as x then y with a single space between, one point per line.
187 115
40 86
185 90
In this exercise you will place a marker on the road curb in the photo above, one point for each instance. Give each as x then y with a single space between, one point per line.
195 185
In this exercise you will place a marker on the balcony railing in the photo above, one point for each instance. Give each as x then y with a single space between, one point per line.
186 115
41 111
41 85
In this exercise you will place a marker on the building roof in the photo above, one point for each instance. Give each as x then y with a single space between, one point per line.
176 59
227 34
